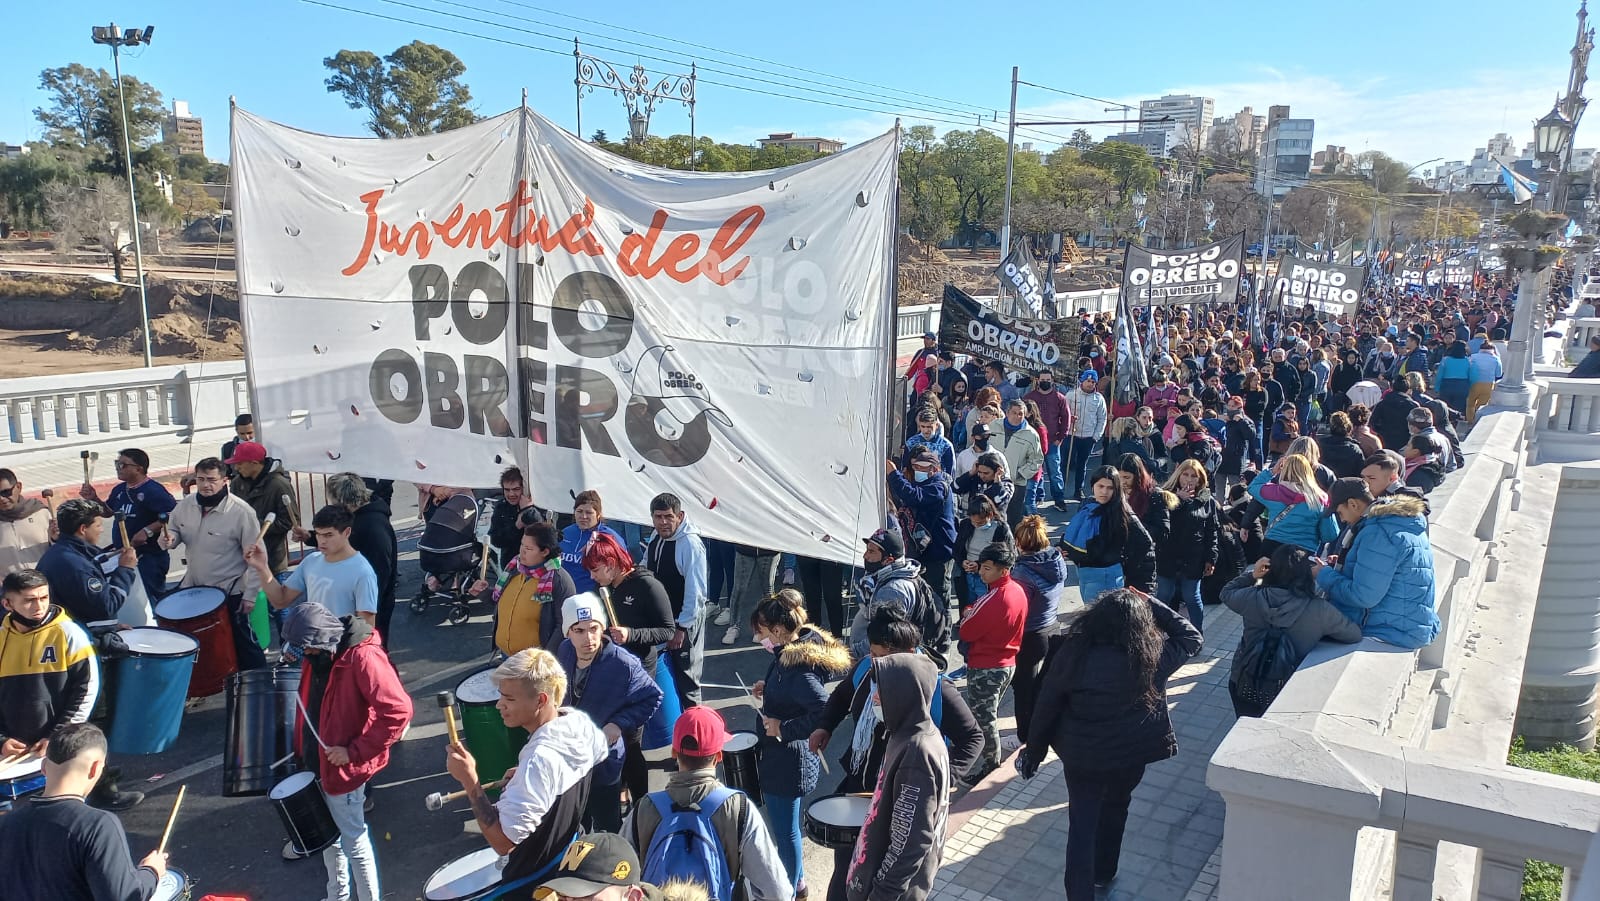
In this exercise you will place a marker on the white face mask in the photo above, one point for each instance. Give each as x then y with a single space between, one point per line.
877 711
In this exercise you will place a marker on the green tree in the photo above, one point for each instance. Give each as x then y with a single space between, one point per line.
1386 174
599 136
927 193
416 90
25 180
1129 164
1080 140
83 111
975 161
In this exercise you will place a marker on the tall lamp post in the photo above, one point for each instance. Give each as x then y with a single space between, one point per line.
117 39
638 89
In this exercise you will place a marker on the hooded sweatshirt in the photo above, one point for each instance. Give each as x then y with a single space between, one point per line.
24 535
541 806
358 704
901 843
895 583
1307 619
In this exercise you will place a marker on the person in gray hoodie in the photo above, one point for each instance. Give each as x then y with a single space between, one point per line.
901 843
1280 593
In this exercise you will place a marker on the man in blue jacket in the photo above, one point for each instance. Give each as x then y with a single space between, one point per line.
1385 581
78 583
928 496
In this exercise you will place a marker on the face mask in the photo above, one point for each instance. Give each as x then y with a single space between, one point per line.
1046 386
877 711
213 500
767 643
321 663
919 476
30 622
872 566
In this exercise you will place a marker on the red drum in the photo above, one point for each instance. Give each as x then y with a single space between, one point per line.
203 614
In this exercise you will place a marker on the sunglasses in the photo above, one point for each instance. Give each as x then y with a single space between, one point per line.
7 492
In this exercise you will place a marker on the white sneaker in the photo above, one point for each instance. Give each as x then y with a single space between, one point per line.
291 853
724 617
730 636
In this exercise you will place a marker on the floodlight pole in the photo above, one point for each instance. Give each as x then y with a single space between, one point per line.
117 40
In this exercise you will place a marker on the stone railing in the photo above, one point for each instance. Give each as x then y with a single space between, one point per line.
1380 772
1579 331
45 415
1567 425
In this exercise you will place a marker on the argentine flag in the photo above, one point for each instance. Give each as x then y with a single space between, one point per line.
1522 189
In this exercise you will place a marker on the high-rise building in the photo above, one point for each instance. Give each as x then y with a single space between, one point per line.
1243 129
1285 152
1183 117
182 131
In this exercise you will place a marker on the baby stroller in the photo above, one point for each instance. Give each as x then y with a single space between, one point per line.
452 553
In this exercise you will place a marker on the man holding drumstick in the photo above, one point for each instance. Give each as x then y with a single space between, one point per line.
541 806
56 847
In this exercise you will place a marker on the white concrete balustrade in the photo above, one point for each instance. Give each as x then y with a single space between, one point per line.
1568 425
44 416
1380 772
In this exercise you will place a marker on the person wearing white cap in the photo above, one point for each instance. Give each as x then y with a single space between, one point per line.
612 687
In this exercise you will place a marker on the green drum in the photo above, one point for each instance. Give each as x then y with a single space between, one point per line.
493 744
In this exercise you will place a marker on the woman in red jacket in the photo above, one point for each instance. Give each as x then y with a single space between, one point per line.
991 635
354 699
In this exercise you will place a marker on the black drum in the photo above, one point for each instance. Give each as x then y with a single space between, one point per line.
741 767
305 813
836 820
260 733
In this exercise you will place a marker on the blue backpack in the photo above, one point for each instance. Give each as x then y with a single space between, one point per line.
686 846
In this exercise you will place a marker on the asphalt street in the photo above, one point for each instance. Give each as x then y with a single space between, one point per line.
232 846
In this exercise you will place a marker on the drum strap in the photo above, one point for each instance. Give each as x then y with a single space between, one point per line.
507 889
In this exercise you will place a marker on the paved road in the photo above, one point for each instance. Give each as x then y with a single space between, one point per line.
231 846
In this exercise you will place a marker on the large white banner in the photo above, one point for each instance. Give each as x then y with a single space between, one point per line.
434 309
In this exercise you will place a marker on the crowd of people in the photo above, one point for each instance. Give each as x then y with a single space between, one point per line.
1281 470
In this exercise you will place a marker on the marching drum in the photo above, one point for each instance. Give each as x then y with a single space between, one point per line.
151 683
493 744
260 731
174 886
470 876
741 764
836 820
21 778
203 614
305 813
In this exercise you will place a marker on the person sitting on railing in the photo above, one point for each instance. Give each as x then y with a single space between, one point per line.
1589 366
1385 581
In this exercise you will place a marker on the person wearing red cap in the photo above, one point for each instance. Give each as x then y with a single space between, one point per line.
697 740
262 483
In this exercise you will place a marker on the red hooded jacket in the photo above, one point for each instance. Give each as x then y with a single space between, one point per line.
364 710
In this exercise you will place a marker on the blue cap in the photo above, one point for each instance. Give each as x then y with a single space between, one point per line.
1088 375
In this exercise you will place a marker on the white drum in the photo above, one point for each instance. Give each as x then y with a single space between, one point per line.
471 876
147 642
836 821
22 777
172 886
135 611
188 603
478 688
740 741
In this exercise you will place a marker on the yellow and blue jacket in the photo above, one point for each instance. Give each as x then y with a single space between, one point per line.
49 676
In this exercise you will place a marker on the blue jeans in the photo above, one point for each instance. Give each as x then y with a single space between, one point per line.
1092 580
1030 503
1078 455
719 569
783 819
1170 587
1054 475
353 850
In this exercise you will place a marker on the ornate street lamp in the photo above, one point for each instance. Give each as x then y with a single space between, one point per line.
638 89
1550 136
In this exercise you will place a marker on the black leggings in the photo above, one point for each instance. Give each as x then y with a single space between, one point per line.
1025 682
821 581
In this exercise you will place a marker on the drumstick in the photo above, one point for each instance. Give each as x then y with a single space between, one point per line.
307 717
437 801
85 456
171 819
447 701
122 529
265 525
483 568
49 496
605 598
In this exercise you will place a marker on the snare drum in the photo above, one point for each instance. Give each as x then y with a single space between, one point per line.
474 875
836 820
741 767
173 886
493 744
21 778
203 614
151 683
305 813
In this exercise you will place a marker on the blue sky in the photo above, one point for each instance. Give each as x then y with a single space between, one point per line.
1417 78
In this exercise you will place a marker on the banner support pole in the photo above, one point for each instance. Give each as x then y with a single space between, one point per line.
1011 145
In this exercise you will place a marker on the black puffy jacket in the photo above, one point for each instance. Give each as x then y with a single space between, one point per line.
1341 455
1191 543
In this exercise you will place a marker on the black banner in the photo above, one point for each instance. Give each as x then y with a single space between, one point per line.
967 327
1017 274
1205 274
1325 287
